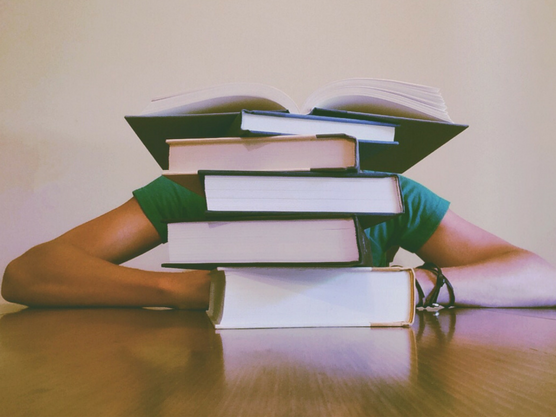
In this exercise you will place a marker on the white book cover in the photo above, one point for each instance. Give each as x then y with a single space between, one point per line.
311 297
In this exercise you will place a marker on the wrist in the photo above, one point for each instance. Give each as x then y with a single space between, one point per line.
187 290
434 289
426 279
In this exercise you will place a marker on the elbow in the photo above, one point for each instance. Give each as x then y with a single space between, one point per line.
19 278
12 281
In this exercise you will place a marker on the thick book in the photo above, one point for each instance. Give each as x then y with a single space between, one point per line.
374 197
257 122
327 241
369 95
268 153
311 297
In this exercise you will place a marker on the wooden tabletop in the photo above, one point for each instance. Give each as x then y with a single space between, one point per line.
139 362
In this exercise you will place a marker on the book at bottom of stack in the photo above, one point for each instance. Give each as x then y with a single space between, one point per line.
274 297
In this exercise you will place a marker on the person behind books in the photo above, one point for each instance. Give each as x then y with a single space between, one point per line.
82 267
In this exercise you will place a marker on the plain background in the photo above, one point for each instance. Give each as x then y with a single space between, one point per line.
71 70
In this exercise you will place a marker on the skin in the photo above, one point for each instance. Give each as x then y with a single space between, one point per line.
485 270
81 268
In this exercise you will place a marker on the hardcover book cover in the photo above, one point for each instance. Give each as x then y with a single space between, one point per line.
286 241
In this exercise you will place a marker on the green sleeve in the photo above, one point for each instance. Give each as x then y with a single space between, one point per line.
164 200
424 210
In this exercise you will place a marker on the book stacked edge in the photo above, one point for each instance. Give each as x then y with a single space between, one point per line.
288 202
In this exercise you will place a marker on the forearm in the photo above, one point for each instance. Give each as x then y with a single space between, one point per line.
517 278
59 274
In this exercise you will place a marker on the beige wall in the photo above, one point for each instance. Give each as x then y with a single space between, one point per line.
70 71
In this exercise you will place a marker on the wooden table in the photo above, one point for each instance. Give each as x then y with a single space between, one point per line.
139 362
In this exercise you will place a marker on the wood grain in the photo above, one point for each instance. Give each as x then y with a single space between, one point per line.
138 362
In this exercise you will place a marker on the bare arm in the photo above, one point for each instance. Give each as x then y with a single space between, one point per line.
80 268
486 270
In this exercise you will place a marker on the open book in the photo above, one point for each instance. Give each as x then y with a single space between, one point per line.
366 95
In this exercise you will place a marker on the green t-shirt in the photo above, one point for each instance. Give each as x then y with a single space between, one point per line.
163 199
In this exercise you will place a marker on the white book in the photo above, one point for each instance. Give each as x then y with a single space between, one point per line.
311 297
268 153
250 192
259 122
269 241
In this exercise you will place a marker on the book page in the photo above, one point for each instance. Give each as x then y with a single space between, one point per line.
223 98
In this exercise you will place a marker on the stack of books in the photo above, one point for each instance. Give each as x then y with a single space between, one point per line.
289 194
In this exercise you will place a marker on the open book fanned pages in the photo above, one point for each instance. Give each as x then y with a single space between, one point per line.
366 95
396 124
